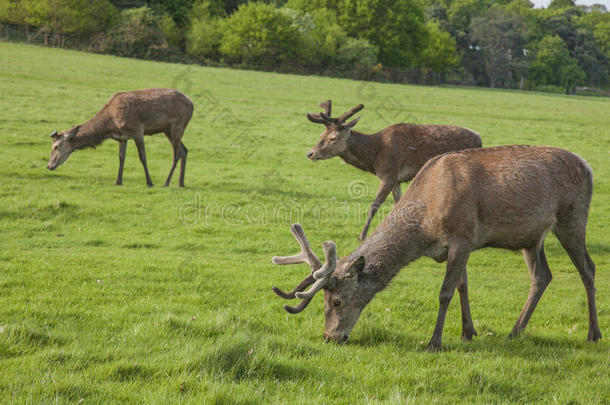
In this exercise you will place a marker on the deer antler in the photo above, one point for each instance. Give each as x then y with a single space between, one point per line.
325 117
319 274
327 106
349 113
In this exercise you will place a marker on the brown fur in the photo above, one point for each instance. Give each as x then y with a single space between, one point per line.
506 197
131 115
394 154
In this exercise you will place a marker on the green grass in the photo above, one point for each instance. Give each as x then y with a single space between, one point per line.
134 295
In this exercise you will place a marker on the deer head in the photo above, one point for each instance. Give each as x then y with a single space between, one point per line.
342 282
333 140
62 147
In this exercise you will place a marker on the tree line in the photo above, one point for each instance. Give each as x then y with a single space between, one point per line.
496 43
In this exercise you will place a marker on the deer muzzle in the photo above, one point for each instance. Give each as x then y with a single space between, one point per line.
337 338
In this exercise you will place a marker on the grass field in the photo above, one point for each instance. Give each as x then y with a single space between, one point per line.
134 295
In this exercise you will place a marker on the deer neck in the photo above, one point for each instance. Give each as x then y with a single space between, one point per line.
387 251
91 133
361 151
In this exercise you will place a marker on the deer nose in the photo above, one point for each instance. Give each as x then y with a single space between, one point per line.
338 339
309 154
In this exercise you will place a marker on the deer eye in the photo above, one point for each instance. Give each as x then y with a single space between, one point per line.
337 303
332 138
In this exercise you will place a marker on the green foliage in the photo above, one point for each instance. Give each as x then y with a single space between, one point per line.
172 33
128 295
320 36
395 27
138 35
258 35
460 14
79 17
555 66
313 6
356 53
602 35
440 53
204 37
501 37
561 4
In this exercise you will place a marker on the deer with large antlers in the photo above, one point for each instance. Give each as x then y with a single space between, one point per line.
505 197
131 115
394 154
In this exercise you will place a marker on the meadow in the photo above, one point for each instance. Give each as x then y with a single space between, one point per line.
163 295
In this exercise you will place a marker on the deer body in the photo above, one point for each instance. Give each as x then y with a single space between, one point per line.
505 197
394 154
131 115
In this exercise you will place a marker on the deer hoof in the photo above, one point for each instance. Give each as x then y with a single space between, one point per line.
594 335
467 336
434 347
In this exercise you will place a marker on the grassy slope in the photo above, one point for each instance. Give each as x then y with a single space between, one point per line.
125 294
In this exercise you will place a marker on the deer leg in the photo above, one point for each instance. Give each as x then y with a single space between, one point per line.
139 140
177 156
574 244
468 330
396 192
540 276
122 150
174 135
456 268
185 152
382 193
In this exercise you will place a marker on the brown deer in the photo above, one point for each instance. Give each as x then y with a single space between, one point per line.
131 115
394 154
504 197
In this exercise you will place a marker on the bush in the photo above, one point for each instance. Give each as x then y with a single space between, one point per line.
138 35
172 33
320 37
258 35
356 53
203 39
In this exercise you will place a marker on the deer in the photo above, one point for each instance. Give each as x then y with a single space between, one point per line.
394 154
506 197
131 115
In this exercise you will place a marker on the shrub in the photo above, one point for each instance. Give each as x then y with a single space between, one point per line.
356 53
320 36
138 35
203 39
258 35
204 33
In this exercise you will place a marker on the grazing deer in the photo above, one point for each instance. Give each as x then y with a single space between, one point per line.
131 115
394 154
504 197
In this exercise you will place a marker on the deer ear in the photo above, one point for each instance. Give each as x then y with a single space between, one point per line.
355 267
72 133
352 123
54 134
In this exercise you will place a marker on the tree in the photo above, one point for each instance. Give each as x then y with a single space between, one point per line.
440 53
602 35
501 38
258 35
137 35
591 57
395 27
555 66
204 33
320 36
559 4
